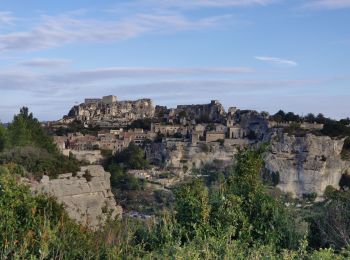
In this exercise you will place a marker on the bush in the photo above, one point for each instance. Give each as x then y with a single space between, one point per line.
120 179
39 161
132 157
144 124
204 147
87 175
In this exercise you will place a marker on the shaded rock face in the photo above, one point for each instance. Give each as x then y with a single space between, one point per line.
305 164
180 154
214 112
87 197
252 122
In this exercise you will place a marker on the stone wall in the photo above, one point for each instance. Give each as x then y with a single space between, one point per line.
87 196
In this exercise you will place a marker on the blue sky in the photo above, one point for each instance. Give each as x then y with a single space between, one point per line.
254 54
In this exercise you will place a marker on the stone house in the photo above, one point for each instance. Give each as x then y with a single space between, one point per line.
214 136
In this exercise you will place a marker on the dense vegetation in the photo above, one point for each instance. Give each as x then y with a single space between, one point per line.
25 143
331 127
133 157
231 218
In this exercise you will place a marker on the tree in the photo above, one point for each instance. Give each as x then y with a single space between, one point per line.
133 157
279 117
123 180
3 138
192 206
144 124
330 225
269 221
310 118
26 130
320 119
28 145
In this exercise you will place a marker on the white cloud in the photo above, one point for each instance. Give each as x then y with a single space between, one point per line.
45 63
59 30
327 4
277 61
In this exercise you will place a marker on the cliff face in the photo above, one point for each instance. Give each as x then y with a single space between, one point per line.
118 113
305 164
213 112
87 196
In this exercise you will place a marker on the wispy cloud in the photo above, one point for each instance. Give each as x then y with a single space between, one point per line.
6 18
58 91
278 61
206 3
59 30
327 4
25 80
45 63
118 72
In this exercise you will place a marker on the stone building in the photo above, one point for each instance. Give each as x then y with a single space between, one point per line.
214 136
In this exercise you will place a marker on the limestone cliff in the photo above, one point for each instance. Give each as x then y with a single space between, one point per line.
305 164
87 196
116 113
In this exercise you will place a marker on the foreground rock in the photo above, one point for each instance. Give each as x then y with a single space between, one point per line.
87 196
306 164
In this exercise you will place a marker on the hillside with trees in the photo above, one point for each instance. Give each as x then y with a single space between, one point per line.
30 150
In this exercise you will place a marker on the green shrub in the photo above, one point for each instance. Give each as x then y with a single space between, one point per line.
132 157
204 147
87 175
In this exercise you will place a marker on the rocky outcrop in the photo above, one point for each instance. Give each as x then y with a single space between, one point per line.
86 196
305 164
183 154
212 112
111 114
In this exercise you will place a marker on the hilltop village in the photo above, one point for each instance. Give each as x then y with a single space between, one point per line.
188 138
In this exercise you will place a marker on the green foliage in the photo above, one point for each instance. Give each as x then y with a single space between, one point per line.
192 207
25 130
204 147
182 114
87 175
216 222
36 227
3 138
282 117
132 157
144 124
221 141
39 161
335 128
330 224
120 179
27 144
268 219
271 178
310 196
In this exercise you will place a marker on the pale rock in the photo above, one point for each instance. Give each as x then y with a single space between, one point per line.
84 200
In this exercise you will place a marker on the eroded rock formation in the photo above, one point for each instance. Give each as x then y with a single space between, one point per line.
87 196
111 113
305 164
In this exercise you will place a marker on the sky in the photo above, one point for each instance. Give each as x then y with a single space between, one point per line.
252 54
